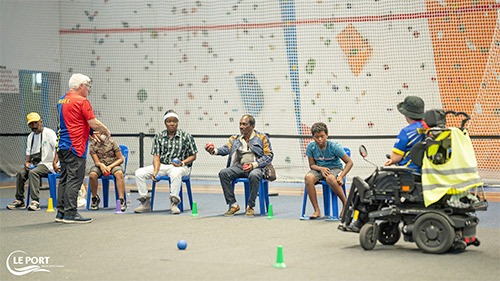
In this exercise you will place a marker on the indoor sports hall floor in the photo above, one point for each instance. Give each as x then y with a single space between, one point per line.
144 246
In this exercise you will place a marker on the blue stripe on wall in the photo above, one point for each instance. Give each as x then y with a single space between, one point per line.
287 8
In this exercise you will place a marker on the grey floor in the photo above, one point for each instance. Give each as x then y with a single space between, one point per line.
143 246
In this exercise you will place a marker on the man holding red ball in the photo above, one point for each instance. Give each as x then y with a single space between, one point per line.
249 153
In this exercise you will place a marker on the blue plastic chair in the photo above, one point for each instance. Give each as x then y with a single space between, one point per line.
105 182
263 193
330 199
52 185
185 179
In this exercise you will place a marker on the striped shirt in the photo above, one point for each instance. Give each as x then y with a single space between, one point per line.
181 146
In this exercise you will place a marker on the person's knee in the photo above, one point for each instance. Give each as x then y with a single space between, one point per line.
254 177
310 179
139 173
32 173
223 174
175 174
118 174
92 175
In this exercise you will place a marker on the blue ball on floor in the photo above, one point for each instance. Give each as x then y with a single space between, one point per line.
182 244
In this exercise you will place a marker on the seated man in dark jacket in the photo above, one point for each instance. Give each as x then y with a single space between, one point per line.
249 154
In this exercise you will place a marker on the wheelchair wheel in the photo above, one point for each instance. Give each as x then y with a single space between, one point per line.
433 233
367 238
389 233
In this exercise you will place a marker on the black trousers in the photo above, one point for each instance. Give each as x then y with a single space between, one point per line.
72 175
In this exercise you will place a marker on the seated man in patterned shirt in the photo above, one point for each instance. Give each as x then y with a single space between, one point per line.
168 145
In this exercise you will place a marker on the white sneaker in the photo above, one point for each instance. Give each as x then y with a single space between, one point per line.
145 206
34 206
174 201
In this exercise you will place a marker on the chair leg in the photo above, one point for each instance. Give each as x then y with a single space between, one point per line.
262 196
105 192
190 195
52 186
181 204
326 198
153 191
89 194
304 203
247 193
28 196
266 197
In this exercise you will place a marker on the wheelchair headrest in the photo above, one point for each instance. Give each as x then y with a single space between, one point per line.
435 118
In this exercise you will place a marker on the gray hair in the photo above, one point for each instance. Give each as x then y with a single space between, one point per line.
77 79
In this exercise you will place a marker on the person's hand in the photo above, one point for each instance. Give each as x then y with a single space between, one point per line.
56 167
388 162
177 165
107 133
27 166
340 180
95 137
247 167
106 171
210 147
154 178
325 171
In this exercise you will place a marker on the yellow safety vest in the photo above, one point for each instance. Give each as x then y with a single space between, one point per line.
457 175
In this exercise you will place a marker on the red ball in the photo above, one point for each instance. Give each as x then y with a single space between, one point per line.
106 174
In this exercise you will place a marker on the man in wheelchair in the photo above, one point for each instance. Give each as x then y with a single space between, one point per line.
413 110
448 166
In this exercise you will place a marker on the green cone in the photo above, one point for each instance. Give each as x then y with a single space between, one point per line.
279 258
270 213
194 211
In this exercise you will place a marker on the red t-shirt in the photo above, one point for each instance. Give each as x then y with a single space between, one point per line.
74 130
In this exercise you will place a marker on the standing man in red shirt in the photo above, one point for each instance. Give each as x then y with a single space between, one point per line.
76 124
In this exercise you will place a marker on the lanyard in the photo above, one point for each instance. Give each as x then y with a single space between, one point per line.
33 140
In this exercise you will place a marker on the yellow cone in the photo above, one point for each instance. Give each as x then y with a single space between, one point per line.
50 206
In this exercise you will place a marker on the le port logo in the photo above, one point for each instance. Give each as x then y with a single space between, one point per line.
21 263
